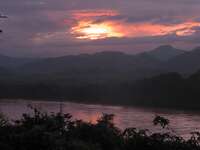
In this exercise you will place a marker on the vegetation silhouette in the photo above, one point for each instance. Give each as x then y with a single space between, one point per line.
2 17
107 77
170 90
44 131
161 120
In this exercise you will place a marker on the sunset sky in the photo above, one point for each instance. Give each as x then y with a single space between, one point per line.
63 27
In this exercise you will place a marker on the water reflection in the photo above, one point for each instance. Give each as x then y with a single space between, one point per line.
182 122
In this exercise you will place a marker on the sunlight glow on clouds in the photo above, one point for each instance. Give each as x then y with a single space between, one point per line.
88 26
105 24
151 29
92 31
49 27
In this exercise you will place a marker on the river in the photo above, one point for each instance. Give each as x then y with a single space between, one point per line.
182 122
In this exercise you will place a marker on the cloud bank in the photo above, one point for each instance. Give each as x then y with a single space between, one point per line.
62 27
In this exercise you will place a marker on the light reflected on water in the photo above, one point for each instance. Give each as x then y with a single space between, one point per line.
182 122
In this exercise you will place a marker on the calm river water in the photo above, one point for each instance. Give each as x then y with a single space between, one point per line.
182 122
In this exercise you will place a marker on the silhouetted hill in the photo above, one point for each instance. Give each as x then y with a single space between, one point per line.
169 90
165 52
187 63
4 71
165 90
100 66
103 60
105 66
12 62
105 77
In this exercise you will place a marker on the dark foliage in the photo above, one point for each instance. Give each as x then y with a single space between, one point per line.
166 90
160 120
2 17
41 131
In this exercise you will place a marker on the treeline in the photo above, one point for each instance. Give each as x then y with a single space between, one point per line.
165 90
41 131
169 90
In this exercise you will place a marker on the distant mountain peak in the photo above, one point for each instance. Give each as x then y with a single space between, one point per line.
1 55
165 47
165 52
186 63
109 53
197 48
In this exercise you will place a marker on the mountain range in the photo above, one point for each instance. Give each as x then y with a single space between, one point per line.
106 65
165 76
165 52
186 63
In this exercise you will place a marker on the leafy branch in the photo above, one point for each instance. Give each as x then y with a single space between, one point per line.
2 17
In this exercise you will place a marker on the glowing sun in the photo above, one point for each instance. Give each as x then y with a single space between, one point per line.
88 30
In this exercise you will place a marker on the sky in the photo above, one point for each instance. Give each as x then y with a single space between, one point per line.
43 28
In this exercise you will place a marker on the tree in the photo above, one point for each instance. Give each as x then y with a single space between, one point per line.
3 120
2 17
163 122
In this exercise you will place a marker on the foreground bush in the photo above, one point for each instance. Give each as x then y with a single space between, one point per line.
41 131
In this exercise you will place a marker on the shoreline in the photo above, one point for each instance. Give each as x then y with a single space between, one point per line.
56 100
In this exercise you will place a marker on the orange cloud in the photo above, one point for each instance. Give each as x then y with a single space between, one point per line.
90 30
150 29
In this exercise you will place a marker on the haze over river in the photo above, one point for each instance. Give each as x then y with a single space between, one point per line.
182 122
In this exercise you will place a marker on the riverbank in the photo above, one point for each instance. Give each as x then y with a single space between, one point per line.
126 116
56 131
105 103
